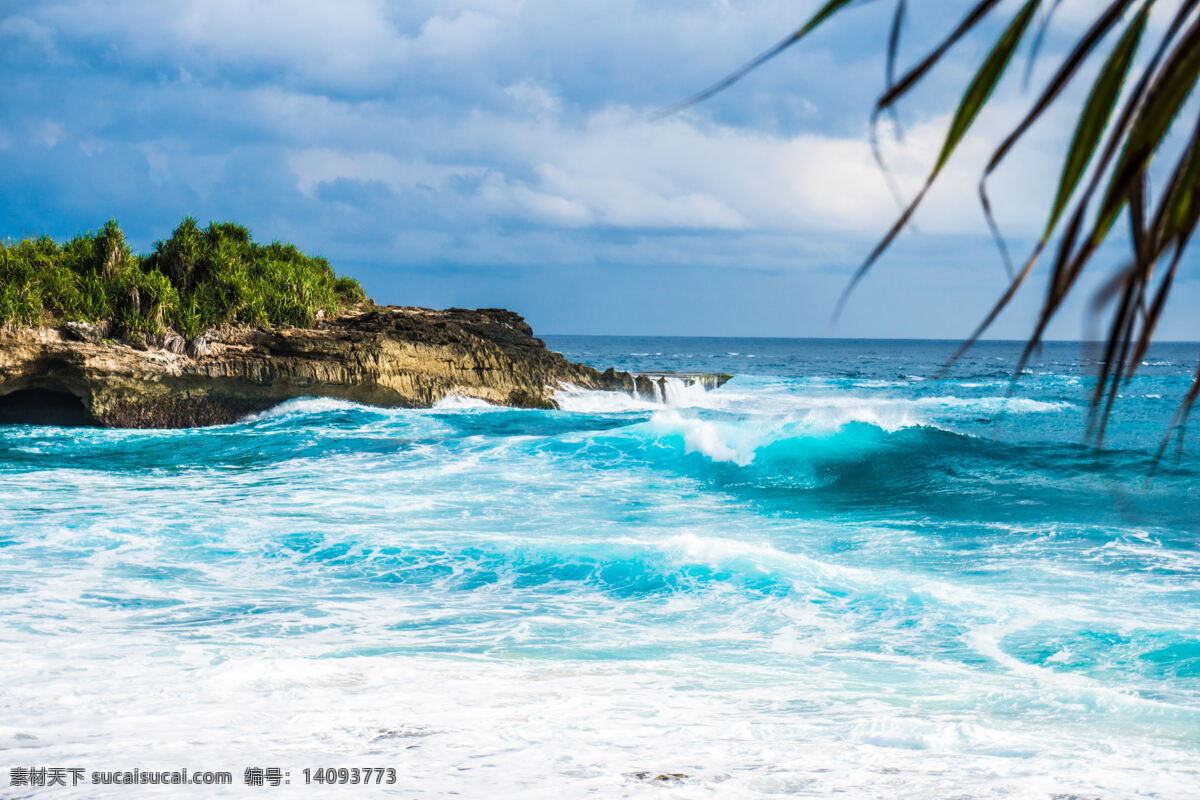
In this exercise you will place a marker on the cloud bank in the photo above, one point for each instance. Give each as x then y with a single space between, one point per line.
502 151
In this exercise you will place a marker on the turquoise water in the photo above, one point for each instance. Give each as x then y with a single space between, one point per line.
834 576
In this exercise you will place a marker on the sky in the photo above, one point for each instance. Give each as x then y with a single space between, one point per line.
505 153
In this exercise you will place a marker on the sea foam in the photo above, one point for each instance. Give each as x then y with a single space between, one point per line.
825 578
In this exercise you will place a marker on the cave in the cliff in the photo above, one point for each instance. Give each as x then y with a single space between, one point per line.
43 407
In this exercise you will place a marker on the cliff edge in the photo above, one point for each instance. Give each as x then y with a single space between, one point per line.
383 356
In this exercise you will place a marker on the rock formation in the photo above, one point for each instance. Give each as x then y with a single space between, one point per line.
384 356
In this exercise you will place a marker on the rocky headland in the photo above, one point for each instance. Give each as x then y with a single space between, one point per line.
77 373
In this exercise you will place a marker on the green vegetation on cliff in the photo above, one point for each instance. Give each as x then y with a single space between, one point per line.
198 279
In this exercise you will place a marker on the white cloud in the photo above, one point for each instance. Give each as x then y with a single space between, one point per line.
532 99
615 168
618 169
519 200
47 133
157 163
1073 16
347 44
314 166
25 28
468 32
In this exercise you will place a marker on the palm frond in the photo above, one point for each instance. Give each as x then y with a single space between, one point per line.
1119 132
969 106
828 10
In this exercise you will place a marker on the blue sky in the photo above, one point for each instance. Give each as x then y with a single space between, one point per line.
500 153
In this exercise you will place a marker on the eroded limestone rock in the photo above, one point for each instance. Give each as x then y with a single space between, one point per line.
384 356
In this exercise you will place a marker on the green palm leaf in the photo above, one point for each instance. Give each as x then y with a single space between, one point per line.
985 82
972 103
1132 139
1163 103
1101 102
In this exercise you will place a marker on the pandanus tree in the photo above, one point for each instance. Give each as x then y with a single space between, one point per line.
1134 101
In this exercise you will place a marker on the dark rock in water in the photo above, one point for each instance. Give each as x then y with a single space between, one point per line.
402 733
661 777
622 381
655 385
383 356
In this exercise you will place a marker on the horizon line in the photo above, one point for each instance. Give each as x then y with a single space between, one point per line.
850 338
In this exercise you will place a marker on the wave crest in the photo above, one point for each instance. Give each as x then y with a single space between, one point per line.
456 401
740 442
304 406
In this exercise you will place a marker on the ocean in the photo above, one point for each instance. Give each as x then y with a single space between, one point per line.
838 575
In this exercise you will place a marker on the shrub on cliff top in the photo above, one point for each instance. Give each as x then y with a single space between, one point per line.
197 279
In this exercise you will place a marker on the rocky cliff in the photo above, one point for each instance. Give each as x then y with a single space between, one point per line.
384 356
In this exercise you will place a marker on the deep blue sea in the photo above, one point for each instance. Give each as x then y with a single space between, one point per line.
835 576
